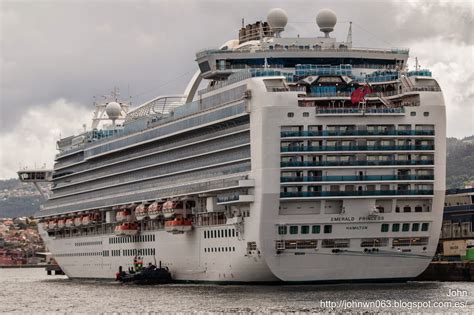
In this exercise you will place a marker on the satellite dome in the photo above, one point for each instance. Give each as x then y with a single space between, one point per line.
326 20
277 20
113 110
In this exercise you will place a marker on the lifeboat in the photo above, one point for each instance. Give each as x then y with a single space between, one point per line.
170 208
52 224
69 222
86 220
141 212
61 223
154 210
126 229
78 221
123 215
178 225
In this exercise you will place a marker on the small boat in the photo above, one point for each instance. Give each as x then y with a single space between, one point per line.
154 210
52 224
61 223
123 215
141 212
69 222
178 225
86 220
126 229
148 275
78 221
170 208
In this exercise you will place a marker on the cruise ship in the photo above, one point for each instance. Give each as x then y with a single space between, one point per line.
286 159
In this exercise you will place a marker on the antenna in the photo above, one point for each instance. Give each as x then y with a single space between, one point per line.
416 63
349 34
243 23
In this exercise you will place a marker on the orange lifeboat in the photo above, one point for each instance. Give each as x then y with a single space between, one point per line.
170 208
86 220
178 225
69 222
123 215
126 229
78 221
154 210
61 223
52 224
141 212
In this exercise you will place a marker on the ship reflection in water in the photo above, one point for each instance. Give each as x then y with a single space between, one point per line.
31 291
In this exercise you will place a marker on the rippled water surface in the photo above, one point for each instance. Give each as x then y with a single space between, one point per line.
32 291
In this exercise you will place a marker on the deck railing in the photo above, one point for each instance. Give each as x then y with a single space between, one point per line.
305 148
316 133
286 179
306 194
355 163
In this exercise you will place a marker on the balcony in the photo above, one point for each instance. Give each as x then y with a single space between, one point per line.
235 199
309 194
355 163
329 133
305 148
287 179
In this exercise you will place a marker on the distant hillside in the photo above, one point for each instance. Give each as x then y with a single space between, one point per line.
459 162
18 199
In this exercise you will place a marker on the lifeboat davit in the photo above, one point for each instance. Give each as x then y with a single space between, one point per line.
178 225
61 223
69 222
154 210
126 229
141 212
52 224
170 208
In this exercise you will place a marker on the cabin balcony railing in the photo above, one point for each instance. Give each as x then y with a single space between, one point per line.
304 148
286 179
355 163
306 194
307 133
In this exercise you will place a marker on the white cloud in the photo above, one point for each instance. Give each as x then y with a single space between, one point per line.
451 65
33 140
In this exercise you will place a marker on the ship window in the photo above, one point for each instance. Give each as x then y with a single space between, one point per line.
226 233
305 229
291 115
424 226
407 209
205 234
384 227
327 229
406 227
415 227
418 209
397 209
426 114
396 227
412 113
282 230
233 232
305 114
293 229
316 229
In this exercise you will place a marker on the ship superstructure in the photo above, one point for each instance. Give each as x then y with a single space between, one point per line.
273 172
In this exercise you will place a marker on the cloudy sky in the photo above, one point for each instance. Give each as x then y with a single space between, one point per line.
56 55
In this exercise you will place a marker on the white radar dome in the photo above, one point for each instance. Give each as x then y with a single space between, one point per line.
326 20
113 110
277 19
